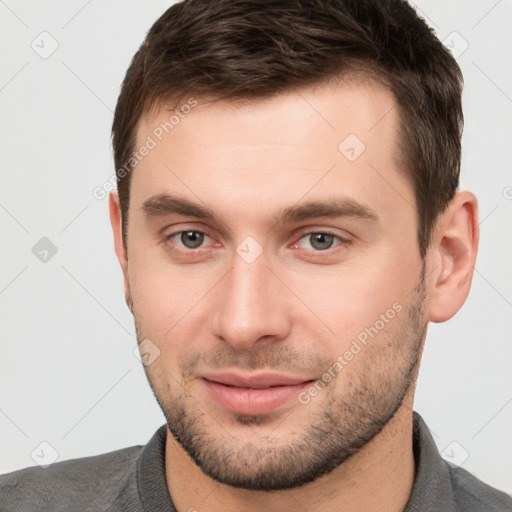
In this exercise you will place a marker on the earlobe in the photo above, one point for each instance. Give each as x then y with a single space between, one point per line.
454 248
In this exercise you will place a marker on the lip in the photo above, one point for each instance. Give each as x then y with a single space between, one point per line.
252 394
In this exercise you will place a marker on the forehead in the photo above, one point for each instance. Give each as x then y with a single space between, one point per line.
329 110
339 136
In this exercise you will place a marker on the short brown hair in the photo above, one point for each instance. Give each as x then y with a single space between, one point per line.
250 49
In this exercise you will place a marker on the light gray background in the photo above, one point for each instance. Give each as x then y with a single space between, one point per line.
68 373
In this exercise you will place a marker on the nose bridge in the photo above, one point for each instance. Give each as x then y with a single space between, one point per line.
250 304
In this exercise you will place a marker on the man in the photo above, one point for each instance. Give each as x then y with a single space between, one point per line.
287 221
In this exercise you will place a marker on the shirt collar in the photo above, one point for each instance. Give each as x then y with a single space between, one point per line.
432 489
151 478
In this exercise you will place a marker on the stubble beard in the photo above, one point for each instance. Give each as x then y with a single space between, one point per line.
346 422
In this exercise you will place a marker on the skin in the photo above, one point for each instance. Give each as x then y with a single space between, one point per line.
294 309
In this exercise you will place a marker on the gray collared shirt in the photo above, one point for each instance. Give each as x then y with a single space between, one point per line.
133 479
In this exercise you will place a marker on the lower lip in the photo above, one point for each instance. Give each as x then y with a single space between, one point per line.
252 401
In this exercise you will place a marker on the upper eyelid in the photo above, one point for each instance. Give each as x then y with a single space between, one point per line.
325 231
299 235
304 231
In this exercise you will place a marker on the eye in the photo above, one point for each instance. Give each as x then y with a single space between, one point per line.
190 239
320 241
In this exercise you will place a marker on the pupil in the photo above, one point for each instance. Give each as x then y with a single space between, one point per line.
321 241
192 239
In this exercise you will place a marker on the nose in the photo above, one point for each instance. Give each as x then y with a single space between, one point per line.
251 306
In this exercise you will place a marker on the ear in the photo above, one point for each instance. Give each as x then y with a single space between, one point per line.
453 252
120 248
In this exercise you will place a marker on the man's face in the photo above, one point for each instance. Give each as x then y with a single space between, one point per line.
288 335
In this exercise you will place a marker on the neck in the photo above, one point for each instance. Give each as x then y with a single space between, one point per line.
379 477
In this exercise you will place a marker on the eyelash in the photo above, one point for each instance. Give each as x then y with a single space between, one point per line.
318 253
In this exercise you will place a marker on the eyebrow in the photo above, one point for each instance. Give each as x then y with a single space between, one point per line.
161 205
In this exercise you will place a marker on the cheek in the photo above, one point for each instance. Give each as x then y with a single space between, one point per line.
349 300
168 299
